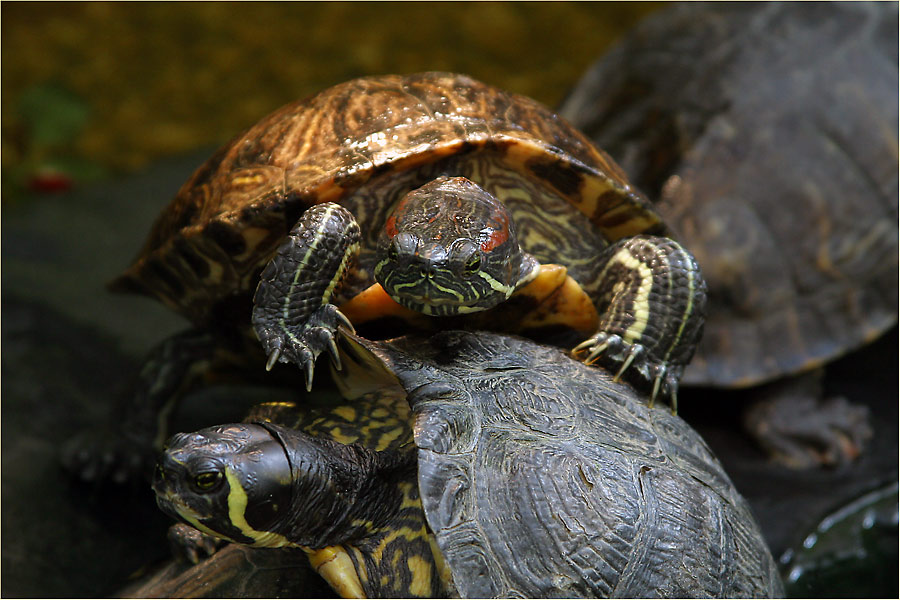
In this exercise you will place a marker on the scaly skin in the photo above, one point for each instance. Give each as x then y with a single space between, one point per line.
451 248
324 482
363 145
292 315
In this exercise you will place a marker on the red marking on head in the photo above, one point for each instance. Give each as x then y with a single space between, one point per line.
499 231
390 226
497 237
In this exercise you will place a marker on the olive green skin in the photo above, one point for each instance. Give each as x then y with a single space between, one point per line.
451 248
768 134
338 477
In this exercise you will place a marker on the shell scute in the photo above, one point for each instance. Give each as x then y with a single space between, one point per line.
566 458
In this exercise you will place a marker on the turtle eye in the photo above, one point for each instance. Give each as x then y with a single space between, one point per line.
473 263
208 481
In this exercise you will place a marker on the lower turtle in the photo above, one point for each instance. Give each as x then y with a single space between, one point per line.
488 466
768 134
363 529
448 196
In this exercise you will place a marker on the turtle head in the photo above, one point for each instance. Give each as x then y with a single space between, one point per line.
265 485
450 247
230 481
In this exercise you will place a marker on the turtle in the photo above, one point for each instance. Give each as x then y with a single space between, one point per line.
520 472
766 133
423 200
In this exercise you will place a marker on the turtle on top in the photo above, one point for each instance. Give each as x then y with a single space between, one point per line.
445 194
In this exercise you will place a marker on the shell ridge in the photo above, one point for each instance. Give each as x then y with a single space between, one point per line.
634 570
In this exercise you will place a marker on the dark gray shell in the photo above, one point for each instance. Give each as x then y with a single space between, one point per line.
542 478
768 133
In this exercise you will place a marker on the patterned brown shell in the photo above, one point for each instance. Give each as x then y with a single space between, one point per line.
226 221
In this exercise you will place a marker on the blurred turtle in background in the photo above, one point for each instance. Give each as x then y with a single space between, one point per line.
767 133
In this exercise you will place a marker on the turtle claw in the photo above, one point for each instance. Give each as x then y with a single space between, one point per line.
302 344
107 454
333 353
344 321
633 353
192 545
273 358
308 365
595 352
611 350
665 383
631 362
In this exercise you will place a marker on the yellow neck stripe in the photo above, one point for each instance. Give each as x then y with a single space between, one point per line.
237 505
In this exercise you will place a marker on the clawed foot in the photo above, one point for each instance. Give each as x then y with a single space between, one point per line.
302 344
633 363
805 431
192 545
105 454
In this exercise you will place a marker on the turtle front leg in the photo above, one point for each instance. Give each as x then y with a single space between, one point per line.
124 449
292 315
652 305
191 545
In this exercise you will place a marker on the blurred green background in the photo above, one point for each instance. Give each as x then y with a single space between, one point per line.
95 89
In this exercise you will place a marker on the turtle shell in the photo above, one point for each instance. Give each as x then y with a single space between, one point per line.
364 144
541 477
769 133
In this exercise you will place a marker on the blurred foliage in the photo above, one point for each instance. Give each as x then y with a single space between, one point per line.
117 85
52 115
47 125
